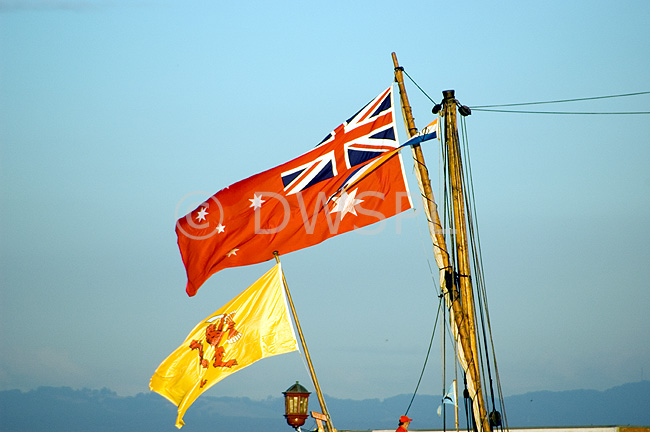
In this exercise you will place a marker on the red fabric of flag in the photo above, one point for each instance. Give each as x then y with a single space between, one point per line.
299 203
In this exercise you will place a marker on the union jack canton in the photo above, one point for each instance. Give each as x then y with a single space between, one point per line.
364 136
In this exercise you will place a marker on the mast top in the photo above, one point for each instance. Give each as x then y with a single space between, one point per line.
448 94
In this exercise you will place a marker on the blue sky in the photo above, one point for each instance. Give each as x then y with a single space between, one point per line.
113 112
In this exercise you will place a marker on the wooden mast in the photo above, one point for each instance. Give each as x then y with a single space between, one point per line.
462 251
460 316
321 400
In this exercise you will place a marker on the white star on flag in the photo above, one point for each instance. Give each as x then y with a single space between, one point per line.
201 215
346 203
220 228
232 252
256 202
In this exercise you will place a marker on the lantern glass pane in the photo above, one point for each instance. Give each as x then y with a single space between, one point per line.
303 405
292 405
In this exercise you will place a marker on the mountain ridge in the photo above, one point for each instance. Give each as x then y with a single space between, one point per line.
64 409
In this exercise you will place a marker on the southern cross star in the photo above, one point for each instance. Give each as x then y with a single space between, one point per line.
346 203
201 214
256 202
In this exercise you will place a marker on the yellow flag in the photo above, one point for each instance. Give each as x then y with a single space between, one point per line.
252 326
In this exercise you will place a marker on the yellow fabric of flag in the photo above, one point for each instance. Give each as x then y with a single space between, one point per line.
250 327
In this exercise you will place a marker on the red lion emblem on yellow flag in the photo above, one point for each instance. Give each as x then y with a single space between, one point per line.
214 336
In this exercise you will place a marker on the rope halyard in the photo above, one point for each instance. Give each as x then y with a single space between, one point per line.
426 359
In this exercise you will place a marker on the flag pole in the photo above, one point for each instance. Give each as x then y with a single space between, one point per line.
455 405
323 408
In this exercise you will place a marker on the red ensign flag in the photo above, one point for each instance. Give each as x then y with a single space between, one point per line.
300 203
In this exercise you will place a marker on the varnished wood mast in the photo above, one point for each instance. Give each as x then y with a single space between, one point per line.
462 312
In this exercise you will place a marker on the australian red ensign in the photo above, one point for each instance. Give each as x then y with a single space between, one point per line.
299 203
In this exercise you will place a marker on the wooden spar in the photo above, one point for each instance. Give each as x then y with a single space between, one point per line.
321 400
431 209
459 317
462 252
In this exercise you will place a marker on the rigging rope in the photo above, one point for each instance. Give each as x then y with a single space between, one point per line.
479 279
485 108
435 324
416 84
561 100
562 112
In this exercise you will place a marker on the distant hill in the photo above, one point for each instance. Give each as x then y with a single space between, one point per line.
62 409
628 404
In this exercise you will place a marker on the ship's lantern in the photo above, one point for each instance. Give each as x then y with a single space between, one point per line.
295 405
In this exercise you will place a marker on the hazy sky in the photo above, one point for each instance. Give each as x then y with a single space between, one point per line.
113 114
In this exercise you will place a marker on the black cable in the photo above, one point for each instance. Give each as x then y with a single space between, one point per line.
560 112
562 100
435 324
482 107
416 84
